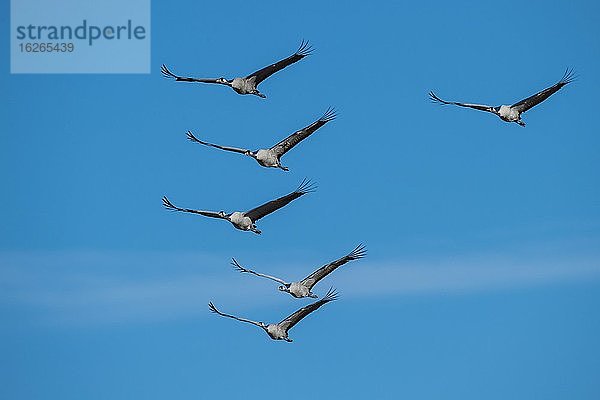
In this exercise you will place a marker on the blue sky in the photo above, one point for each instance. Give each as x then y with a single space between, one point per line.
483 273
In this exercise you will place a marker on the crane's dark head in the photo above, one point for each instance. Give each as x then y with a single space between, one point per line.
285 287
263 325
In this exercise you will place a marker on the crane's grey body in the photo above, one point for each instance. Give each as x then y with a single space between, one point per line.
513 112
267 158
279 331
248 84
246 221
303 288
509 114
271 157
298 290
245 86
275 331
242 222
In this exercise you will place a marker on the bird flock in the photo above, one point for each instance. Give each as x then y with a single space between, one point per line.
271 158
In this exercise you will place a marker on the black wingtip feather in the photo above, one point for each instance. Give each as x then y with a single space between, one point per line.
167 204
305 49
237 266
435 99
192 138
166 73
331 295
359 251
306 186
568 77
329 115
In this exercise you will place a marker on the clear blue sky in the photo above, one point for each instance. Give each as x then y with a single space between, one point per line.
483 274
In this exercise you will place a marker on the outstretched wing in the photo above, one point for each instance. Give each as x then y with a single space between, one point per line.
242 269
193 138
537 98
286 144
293 319
481 107
304 50
358 252
214 309
257 213
165 71
170 206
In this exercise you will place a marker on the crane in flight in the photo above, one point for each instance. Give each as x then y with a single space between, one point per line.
248 84
513 113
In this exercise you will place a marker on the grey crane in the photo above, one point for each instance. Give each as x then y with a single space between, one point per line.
304 287
246 221
271 157
279 331
513 113
249 84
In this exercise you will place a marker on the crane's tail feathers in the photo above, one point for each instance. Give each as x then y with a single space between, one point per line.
359 251
305 49
306 186
329 115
